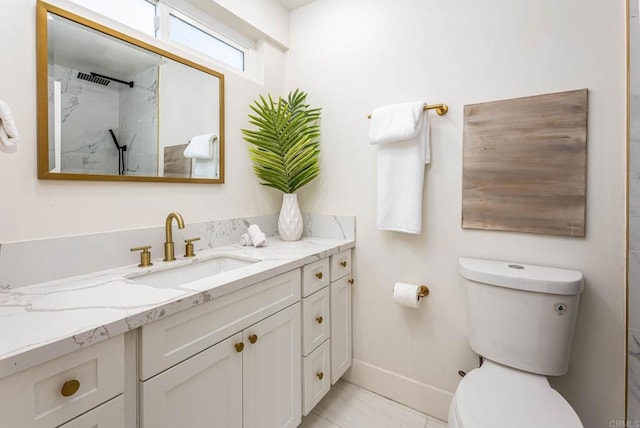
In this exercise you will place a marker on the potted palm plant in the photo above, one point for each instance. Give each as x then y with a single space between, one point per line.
284 149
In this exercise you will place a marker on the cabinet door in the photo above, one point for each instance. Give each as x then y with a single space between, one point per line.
272 371
108 415
202 391
340 328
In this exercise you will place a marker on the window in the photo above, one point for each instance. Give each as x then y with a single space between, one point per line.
195 36
158 19
139 14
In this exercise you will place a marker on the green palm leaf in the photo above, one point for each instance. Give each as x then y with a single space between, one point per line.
285 146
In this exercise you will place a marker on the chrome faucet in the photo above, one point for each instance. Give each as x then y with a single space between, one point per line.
169 253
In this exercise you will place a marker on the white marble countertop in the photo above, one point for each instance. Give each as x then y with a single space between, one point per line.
44 321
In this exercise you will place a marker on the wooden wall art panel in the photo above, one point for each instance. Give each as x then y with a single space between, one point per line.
524 164
175 164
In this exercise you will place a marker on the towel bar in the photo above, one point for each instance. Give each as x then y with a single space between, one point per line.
441 109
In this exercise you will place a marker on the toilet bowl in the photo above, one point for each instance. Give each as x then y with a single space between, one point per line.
496 396
521 320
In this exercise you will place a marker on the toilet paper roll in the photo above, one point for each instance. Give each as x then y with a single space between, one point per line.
406 294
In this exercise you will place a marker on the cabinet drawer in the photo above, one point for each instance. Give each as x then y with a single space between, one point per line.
315 377
33 398
171 340
316 320
108 415
315 276
340 265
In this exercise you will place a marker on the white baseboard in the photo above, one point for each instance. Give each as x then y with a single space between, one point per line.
420 396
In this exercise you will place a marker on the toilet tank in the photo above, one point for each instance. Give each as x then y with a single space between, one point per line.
520 315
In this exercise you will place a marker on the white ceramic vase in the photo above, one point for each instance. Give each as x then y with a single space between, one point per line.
290 220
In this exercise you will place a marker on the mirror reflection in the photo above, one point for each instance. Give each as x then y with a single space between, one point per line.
119 109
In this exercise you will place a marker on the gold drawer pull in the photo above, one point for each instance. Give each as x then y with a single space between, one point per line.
70 387
239 346
319 319
253 338
343 264
319 275
351 281
320 375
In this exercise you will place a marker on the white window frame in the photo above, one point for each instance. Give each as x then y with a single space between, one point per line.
213 28
183 10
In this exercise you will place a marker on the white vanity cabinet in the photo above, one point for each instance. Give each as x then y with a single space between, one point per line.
257 357
51 394
341 339
232 362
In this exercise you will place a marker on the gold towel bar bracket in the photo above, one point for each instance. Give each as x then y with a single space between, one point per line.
441 109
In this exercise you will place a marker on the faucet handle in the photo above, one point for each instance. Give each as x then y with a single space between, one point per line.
145 255
188 249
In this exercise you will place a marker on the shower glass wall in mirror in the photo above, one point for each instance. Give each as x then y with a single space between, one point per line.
120 109
633 296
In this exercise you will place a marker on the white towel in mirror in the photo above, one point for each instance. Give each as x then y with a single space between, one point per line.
204 152
200 147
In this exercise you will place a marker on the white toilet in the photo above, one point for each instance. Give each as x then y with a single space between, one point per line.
521 320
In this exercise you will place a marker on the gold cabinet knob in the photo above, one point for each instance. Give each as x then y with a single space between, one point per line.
351 281
239 346
70 387
188 248
319 275
343 264
319 320
320 375
253 338
145 255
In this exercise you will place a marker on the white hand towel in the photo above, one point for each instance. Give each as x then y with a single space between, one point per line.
9 136
245 240
200 147
401 165
396 122
258 238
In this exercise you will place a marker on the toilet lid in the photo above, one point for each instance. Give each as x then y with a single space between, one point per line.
495 397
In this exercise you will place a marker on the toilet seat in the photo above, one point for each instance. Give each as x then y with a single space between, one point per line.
496 396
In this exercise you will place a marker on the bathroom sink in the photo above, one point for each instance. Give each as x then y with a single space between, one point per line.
183 274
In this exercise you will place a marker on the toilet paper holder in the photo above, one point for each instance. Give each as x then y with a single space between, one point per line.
423 292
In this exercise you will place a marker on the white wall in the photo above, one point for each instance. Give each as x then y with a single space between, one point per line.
353 56
32 208
633 380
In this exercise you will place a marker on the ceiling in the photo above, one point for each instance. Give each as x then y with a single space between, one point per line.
84 49
294 4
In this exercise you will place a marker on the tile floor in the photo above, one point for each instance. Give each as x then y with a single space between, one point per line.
349 406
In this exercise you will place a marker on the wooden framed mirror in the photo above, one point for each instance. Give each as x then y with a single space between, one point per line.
115 108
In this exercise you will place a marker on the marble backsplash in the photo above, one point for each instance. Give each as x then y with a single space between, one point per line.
30 262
